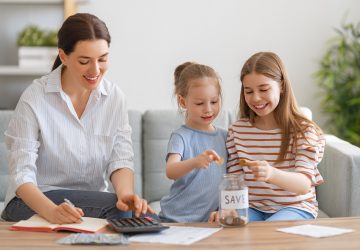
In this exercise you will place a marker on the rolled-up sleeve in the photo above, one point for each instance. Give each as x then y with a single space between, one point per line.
309 152
122 155
21 139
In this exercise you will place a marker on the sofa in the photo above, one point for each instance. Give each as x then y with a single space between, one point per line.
339 196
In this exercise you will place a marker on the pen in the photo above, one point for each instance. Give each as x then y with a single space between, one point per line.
71 204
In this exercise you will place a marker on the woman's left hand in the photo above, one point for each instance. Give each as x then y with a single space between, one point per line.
135 203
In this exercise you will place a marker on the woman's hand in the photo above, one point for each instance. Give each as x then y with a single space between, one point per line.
135 203
64 214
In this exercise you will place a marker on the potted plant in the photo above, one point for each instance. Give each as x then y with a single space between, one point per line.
37 47
339 81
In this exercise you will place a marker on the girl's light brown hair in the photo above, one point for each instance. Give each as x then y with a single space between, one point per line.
188 71
287 114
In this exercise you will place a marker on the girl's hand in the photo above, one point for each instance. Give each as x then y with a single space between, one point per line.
261 170
204 159
214 217
65 214
135 203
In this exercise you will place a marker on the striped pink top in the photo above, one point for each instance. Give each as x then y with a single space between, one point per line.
248 142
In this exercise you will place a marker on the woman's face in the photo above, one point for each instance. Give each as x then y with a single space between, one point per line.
87 64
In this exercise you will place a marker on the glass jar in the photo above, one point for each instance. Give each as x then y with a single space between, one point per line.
234 201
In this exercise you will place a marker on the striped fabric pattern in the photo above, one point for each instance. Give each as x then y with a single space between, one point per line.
50 146
248 142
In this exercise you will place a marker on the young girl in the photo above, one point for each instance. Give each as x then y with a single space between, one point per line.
196 151
279 147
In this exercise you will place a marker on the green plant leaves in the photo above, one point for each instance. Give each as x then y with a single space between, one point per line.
32 35
339 80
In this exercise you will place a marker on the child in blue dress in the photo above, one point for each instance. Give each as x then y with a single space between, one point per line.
196 151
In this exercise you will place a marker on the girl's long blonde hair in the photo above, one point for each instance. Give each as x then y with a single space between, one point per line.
287 114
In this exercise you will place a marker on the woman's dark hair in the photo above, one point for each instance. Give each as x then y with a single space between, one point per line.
80 27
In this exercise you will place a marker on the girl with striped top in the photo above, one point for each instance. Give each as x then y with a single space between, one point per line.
273 146
194 148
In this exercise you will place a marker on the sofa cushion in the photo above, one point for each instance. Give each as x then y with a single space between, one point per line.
339 195
157 128
135 120
5 117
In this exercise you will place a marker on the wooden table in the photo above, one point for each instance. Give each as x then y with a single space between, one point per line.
255 235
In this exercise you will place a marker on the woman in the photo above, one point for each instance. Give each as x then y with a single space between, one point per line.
70 133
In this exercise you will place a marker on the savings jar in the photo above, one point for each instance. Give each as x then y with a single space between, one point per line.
234 201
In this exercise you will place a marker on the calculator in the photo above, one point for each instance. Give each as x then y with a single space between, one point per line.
136 225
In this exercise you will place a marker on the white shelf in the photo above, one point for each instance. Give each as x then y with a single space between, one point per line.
32 1
15 70
39 1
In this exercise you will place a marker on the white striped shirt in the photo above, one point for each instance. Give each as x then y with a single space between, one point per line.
54 149
248 142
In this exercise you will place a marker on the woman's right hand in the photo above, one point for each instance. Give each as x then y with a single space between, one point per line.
65 214
204 159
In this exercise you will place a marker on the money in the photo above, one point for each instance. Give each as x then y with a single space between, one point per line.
220 161
242 162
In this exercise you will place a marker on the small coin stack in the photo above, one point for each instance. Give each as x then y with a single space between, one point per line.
233 221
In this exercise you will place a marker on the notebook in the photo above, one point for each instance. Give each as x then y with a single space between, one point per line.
38 224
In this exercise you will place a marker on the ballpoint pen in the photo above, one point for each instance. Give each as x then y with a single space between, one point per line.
71 204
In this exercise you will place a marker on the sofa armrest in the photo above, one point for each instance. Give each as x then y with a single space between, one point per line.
339 195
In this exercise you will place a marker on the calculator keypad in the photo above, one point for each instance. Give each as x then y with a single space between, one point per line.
136 225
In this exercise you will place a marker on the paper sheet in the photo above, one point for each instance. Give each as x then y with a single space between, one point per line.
176 235
315 230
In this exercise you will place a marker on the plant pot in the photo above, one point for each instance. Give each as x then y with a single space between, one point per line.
37 57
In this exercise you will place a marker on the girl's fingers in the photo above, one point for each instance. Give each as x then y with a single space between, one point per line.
212 217
213 156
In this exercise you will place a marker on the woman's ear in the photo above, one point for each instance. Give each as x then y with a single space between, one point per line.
181 101
62 56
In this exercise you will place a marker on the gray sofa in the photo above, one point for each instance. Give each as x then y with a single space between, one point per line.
339 196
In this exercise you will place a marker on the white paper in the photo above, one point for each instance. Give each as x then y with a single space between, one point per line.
315 230
175 235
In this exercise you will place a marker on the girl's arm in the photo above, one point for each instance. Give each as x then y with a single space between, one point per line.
298 183
37 201
123 183
309 152
176 168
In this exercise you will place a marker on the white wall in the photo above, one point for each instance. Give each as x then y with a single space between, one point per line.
151 37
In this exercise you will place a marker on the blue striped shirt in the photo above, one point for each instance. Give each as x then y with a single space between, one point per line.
52 148
196 194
